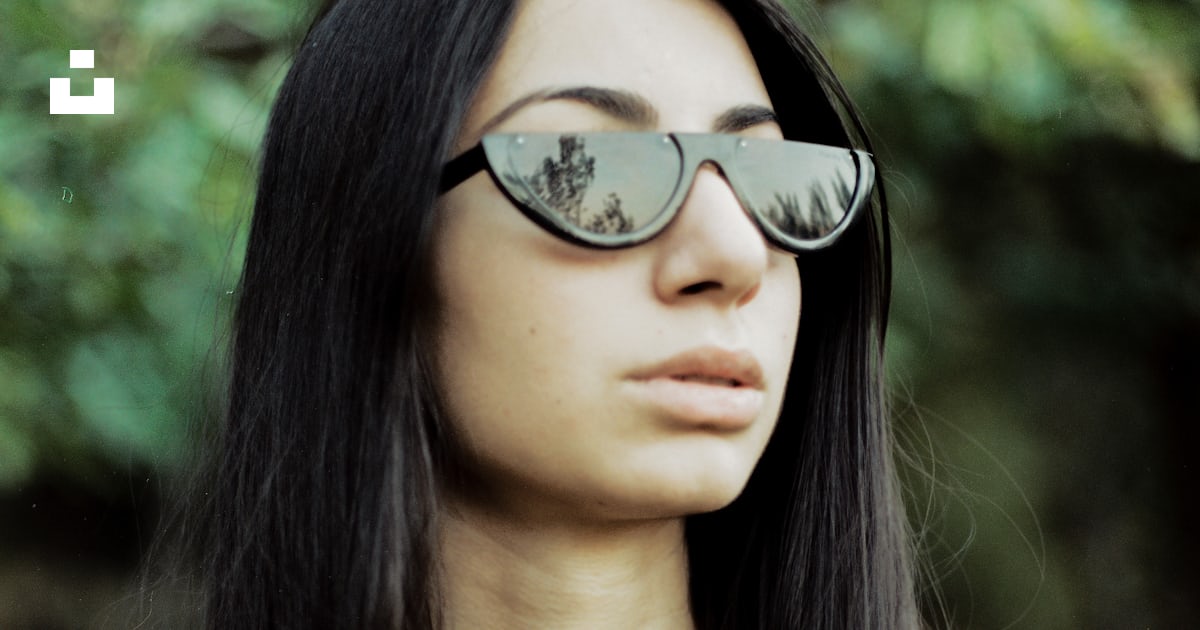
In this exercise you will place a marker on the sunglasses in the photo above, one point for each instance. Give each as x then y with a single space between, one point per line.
618 189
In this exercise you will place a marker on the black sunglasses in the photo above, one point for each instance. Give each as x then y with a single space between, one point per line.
618 189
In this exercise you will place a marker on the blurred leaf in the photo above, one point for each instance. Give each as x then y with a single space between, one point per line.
115 382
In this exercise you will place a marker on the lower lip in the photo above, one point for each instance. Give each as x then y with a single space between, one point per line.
702 405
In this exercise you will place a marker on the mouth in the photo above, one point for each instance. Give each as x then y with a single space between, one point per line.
707 380
708 365
704 388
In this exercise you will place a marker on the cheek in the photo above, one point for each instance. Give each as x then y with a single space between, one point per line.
499 353
514 321
778 315
485 337
774 319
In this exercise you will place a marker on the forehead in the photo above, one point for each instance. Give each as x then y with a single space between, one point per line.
686 57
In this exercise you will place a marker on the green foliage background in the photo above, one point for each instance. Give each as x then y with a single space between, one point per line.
1042 158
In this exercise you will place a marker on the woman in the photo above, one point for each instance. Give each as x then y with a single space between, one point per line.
493 369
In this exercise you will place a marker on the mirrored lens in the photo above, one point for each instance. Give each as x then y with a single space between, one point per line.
802 190
593 184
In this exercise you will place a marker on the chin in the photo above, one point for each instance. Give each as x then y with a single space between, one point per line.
679 502
713 494
703 482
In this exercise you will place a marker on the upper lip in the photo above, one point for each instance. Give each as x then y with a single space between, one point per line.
739 366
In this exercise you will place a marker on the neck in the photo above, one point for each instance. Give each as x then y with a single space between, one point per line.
497 573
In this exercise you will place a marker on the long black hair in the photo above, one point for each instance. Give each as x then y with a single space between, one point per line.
324 491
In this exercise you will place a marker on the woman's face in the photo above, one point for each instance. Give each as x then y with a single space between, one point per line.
585 383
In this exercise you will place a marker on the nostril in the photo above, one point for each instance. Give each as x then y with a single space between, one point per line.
700 287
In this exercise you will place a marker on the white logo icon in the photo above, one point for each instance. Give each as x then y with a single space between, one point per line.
101 101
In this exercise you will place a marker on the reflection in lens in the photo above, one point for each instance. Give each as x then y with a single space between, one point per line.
609 183
612 220
804 191
813 221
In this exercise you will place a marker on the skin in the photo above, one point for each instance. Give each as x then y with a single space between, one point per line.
572 511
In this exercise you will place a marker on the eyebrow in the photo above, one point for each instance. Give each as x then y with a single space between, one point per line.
743 117
630 108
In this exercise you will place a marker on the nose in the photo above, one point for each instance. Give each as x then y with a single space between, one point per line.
713 250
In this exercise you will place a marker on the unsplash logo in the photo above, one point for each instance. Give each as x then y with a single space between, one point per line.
102 100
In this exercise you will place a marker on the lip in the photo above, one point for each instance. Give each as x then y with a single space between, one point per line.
708 362
708 387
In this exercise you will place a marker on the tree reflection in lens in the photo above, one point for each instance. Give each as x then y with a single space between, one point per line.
562 185
823 213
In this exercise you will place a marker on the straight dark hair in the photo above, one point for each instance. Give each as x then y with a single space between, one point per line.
321 504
